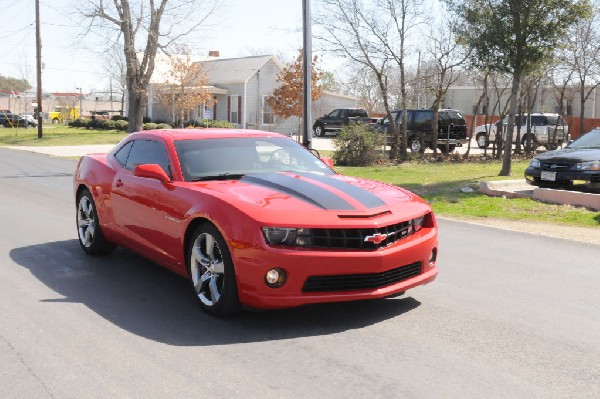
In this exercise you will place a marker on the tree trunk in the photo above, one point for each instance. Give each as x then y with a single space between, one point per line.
136 108
514 98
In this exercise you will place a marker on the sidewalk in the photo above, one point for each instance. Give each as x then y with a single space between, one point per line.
66 151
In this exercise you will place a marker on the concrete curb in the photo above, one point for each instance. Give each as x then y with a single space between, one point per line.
520 189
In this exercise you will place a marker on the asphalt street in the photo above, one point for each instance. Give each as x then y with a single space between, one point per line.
511 315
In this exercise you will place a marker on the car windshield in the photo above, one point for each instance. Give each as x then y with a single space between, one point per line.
234 157
587 141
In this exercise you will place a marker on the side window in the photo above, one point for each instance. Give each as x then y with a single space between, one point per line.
422 116
334 114
123 153
538 120
147 151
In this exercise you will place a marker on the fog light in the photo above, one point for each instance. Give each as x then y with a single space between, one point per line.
432 257
275 278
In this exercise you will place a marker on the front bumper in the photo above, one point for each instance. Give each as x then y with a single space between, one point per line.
586 178
299 265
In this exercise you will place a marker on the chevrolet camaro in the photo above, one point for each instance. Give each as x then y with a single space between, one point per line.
253 219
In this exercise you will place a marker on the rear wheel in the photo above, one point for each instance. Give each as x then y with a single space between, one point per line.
91 238
211 272
529 142
54 121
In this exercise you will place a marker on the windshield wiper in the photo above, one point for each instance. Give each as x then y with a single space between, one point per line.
221 176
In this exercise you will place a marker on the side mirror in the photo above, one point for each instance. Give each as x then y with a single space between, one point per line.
151 171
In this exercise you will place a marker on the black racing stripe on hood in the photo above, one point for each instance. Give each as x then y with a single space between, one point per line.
365 197
300 189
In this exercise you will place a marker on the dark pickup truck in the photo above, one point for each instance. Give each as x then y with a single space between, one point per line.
452 129
335 121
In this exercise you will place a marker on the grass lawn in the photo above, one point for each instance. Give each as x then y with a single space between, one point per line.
439 183
58 135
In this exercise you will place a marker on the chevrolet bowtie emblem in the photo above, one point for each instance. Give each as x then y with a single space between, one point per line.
376 238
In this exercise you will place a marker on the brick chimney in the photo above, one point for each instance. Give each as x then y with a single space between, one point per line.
213 53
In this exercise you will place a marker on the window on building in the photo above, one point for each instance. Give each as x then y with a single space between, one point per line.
234 109
268 117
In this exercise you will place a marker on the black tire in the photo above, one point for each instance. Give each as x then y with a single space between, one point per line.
482 140
319 131
211 272
415 144
529 143
89 233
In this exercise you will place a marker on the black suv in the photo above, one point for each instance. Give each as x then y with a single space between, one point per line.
335 121
452 129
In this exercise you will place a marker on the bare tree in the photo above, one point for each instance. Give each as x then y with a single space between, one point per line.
372 34
146 26
581 54
116 68
446 56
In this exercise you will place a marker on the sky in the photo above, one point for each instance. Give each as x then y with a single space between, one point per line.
72 61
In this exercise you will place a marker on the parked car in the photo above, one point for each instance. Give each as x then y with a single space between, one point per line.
452 129
8 119
335 121
577 165
29 119
253 219
547 130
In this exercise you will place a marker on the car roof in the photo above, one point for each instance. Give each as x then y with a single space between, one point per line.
208 133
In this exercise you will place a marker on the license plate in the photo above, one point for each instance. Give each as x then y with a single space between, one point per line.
549 176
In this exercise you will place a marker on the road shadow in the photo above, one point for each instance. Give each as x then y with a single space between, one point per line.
147 300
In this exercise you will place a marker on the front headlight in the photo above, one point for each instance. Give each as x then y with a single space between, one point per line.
535 163
592 165
292 236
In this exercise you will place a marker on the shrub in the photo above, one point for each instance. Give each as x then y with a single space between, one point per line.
357 145
150 126
164 126
122 124
118 118
108 124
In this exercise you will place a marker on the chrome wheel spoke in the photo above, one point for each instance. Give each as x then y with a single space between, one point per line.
215 294
218 268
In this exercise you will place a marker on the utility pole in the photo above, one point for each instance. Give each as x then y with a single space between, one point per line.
80 102
38 52
307 72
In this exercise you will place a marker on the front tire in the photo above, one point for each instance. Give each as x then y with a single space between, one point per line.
482 140
319 131
211 272
529 143
415 144
91 238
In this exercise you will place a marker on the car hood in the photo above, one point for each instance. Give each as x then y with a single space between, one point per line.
308 192
570 155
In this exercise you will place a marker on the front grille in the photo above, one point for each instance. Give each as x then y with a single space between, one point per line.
352 282
355 238
555 167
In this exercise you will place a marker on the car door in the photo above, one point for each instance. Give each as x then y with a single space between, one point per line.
143 207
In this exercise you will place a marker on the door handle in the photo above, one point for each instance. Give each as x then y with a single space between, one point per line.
119 183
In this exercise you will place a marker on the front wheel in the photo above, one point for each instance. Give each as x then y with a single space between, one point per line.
482 140
319 131
91 238
211 272
416 144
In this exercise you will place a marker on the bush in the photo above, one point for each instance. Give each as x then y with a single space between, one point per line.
122 124
150 126
164 126
108 124
118 118
357 145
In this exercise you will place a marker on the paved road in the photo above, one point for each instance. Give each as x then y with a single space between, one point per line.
511 315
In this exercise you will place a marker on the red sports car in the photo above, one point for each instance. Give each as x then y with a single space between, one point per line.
253 219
